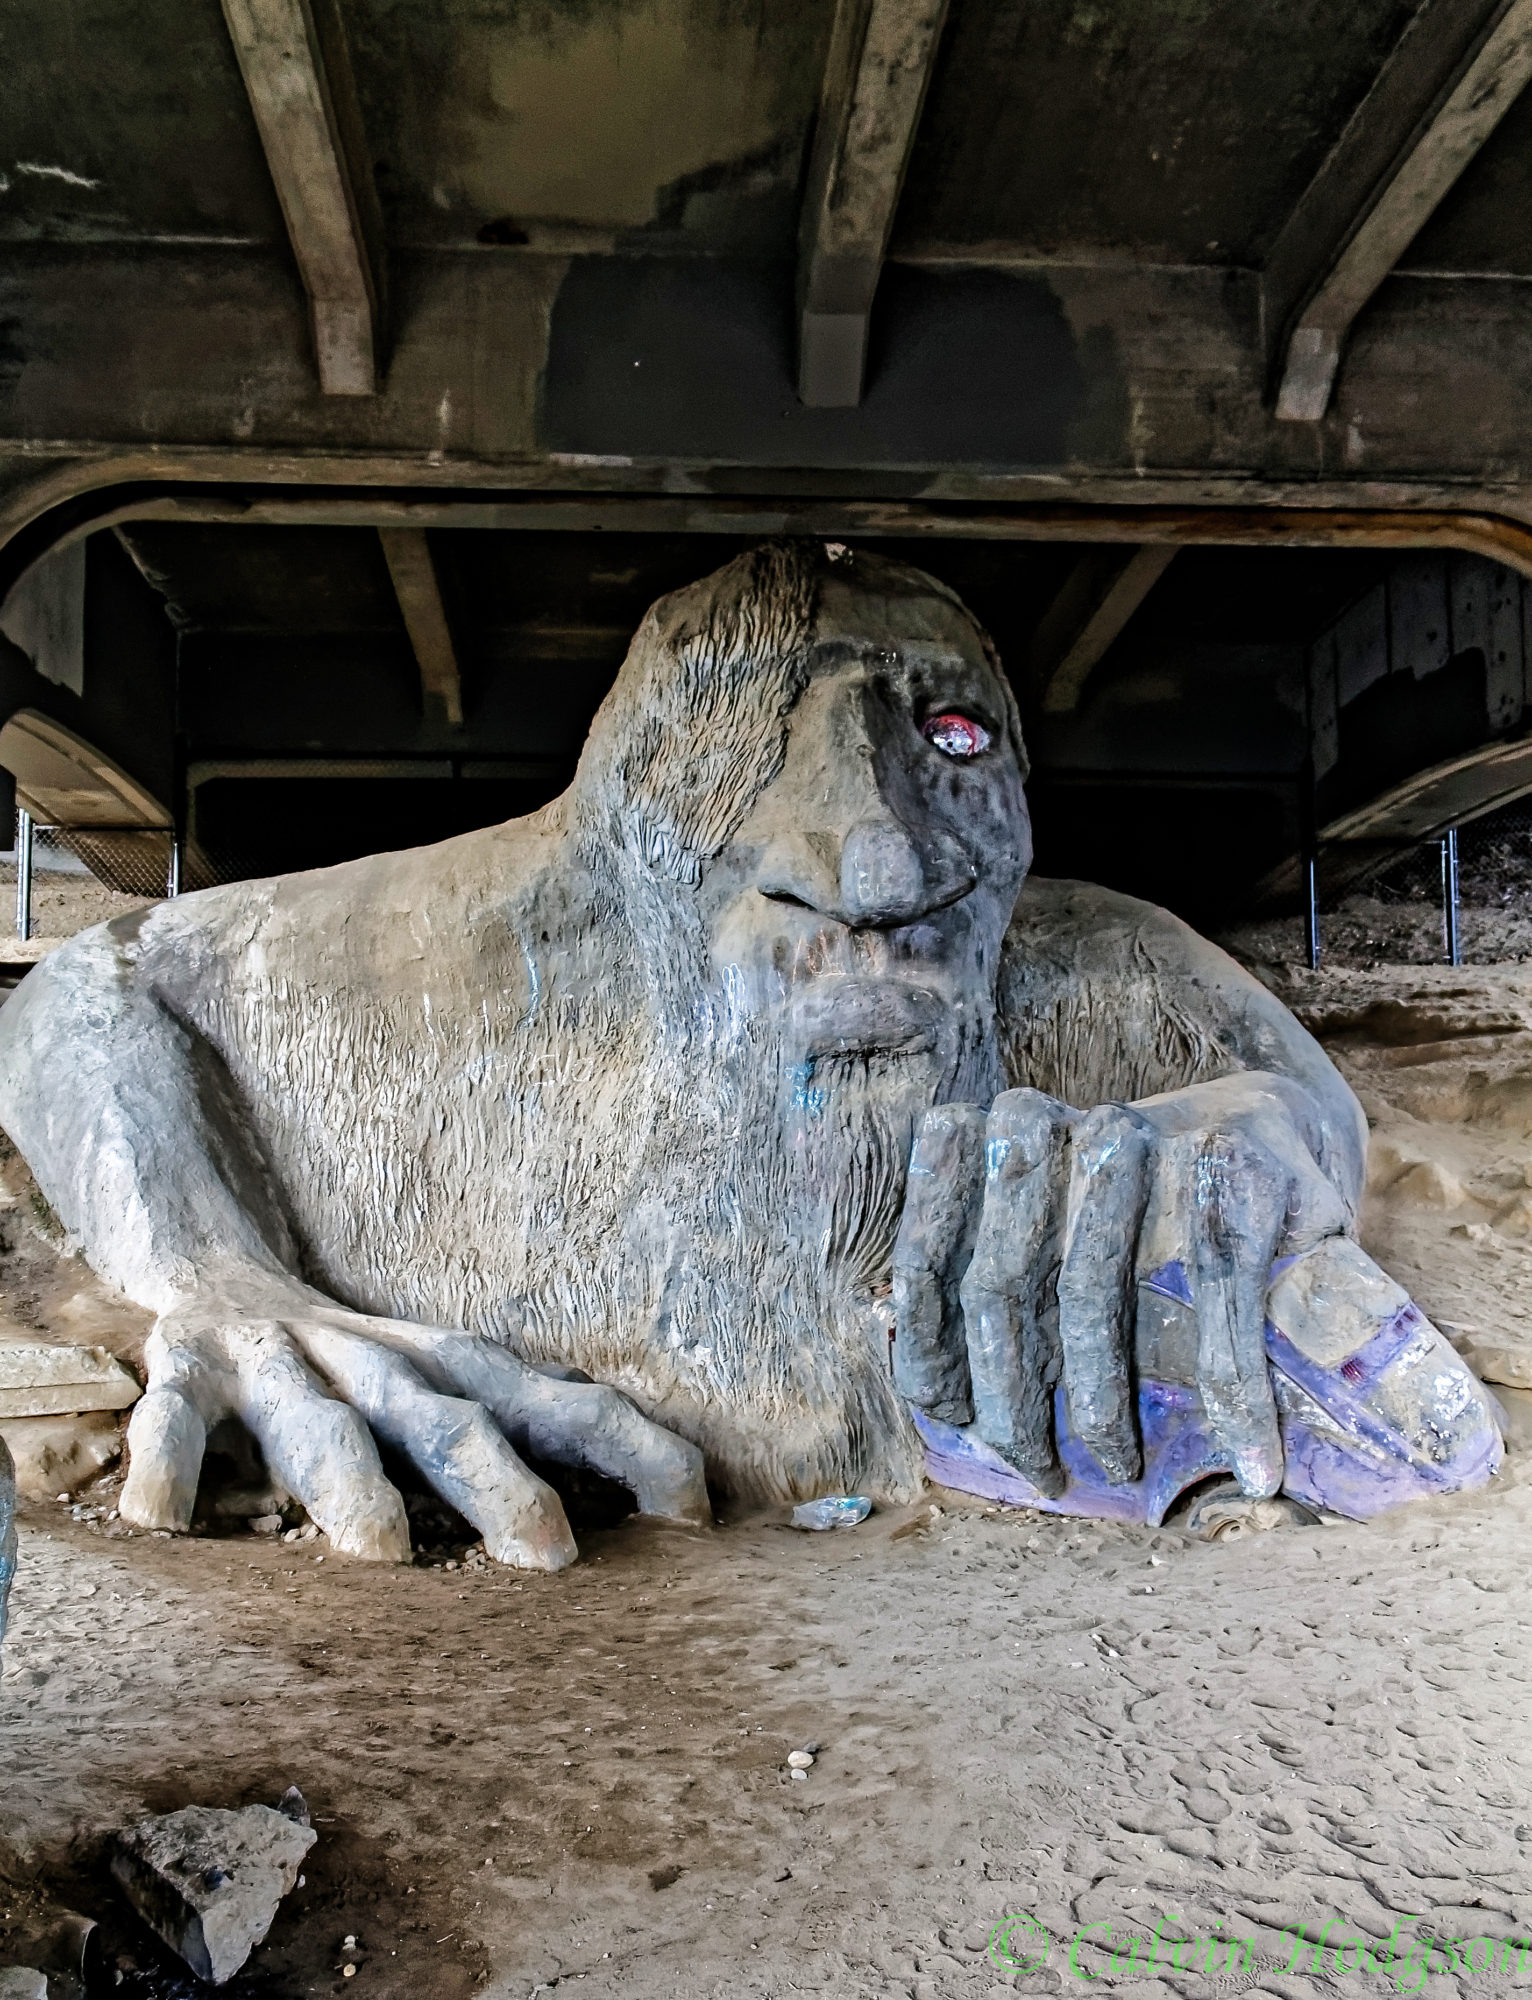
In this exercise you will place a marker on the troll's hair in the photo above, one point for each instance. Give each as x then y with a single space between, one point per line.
696 725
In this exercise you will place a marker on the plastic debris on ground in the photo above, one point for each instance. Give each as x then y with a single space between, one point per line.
839 1510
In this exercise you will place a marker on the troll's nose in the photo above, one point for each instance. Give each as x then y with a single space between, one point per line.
882 880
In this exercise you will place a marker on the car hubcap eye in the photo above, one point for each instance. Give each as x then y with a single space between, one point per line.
956 735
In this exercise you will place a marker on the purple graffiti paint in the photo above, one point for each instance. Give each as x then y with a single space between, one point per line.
1402 1418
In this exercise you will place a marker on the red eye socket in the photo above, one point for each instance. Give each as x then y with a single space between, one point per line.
956 735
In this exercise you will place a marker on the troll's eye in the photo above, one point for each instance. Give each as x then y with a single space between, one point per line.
956 735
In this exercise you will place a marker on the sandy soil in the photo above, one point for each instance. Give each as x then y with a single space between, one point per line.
1365 932
525 1782
581 1778
63 902
1441 1059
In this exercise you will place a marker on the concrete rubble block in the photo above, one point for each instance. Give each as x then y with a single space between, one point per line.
54 1455
1506 1363
40 1379
1516 1408
209 1880
20 1982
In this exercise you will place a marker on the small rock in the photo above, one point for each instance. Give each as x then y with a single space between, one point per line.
308 1534
348 1972
209 1880
244 1502
296 1808
291 1535
265 1524
799 1774
800 1760
1475 1232
20 1982
927 1518
348 1942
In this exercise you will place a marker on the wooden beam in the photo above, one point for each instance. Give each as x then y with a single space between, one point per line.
297 72
879 66
82 500
1100 595
408 555
1455 73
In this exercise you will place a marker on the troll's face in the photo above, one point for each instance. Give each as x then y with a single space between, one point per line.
860 903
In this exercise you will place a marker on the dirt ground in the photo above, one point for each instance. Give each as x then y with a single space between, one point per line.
524 1783
1441 1059
1363 932
64 900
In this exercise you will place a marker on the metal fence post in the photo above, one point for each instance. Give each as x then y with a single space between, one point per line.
173 873
23 874
1450 896
1311 909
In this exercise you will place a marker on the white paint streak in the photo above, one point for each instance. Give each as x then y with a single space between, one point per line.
37 171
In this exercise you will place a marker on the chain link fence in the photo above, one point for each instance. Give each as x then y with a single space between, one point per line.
1494 865
1406 913
63 879
1465 899
129 861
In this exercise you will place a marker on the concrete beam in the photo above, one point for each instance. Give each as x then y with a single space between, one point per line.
1455 73
292 54
879 67
408 555
1100 595
117 348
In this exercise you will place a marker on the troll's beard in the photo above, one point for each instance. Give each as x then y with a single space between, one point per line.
766 1247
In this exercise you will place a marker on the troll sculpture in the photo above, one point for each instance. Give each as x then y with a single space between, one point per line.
741 1116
